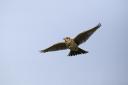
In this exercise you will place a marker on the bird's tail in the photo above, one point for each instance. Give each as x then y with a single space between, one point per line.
79 51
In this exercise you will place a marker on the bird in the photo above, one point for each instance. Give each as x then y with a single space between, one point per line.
73 43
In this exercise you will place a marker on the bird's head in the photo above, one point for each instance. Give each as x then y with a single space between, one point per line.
67 39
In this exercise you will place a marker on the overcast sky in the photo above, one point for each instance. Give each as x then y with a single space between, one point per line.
27 26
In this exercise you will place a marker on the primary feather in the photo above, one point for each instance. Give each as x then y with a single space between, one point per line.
55 47
83 37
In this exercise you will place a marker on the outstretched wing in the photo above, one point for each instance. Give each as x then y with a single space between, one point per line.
55 47
82 37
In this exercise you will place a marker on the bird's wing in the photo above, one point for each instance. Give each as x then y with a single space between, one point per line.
55 47
82 37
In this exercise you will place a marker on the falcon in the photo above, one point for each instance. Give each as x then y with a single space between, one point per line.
73 43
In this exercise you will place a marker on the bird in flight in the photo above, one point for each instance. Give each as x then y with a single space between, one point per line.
73 43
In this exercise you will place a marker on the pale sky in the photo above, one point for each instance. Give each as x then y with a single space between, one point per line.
27 26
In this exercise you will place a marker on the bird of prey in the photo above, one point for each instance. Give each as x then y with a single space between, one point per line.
73 43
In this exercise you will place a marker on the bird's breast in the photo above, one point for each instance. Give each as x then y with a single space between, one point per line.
72 45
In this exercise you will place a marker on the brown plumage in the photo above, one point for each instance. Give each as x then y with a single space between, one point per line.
73 44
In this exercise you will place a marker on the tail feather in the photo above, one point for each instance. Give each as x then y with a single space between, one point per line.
79 51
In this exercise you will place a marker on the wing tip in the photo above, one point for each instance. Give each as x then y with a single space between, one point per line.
42 51
99 25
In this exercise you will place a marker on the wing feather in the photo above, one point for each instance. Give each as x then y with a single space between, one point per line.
55 47
83 37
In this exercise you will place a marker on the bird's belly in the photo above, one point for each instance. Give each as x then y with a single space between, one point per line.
73 46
